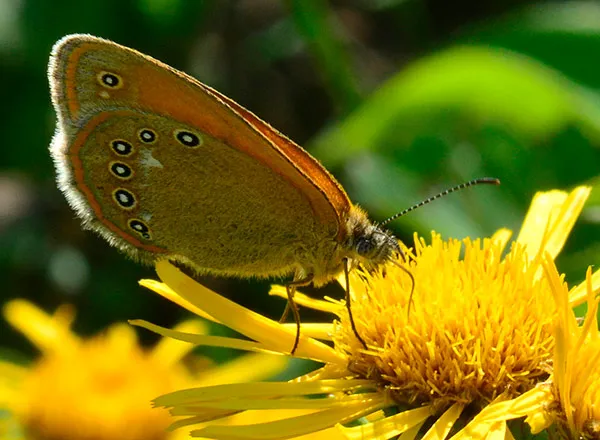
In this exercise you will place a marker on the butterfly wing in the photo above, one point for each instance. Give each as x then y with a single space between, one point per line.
161 164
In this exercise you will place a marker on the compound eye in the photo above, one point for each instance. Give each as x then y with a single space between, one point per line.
364 246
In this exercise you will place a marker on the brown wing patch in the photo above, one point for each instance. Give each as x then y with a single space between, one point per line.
80 90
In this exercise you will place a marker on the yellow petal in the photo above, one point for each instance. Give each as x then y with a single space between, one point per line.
121 338
44 331
202 340
241 404
166 292
502 236
411 433
499 411
579 293
315 330
307 301
497 431
539 421
444 424
170 351
247 368
565 219
549 220
388 427
11 378
287 428
265 390
253 325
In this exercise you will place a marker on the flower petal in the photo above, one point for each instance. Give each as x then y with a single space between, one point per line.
202 340
321 331
255 326
388 427
502 237
166 292
579 293
170 351
444 424
305 300
48 333
266 390
247 368
288 427
550 219
11 377
501 410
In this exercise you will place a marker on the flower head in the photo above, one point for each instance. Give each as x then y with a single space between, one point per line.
574 398
99 387
480 326
477 341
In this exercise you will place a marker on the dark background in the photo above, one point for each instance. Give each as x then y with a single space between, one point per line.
398 98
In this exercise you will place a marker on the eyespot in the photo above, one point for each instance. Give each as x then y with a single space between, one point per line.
188 138
120 170
140 227
109 80
124 198
121 147
147 136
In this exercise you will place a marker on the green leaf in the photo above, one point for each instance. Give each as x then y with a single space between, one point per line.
481 85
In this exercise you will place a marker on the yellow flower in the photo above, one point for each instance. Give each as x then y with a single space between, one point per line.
574 400
100 388
477 342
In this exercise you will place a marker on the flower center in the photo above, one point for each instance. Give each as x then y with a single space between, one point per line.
479 325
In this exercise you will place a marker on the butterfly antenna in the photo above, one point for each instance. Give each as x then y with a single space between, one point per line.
480 181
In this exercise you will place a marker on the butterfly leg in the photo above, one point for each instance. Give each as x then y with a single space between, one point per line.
287 309
349 304
293 307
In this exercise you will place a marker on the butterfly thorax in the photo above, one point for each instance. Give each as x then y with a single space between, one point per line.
364 244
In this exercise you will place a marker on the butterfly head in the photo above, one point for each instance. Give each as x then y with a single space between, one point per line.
368 244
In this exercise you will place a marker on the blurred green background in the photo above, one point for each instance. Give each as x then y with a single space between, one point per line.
398 98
